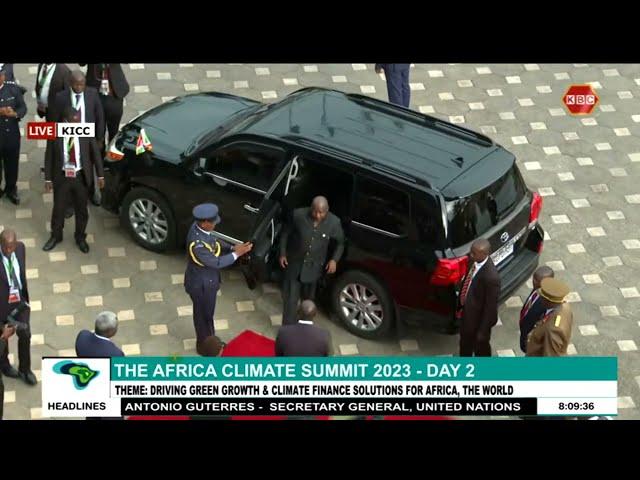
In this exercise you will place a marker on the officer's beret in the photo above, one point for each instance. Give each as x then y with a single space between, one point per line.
553 290
206 211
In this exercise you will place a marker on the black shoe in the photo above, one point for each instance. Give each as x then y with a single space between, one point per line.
68 213
83 245
14 198
28 377
10 372
52 242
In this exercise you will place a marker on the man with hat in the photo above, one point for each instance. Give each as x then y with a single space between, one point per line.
12 110
207 255
552 333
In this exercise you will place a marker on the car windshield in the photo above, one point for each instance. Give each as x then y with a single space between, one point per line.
210 136
472 216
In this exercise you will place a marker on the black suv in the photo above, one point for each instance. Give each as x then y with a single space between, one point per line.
412 192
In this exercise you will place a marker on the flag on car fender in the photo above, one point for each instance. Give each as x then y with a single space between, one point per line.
143 144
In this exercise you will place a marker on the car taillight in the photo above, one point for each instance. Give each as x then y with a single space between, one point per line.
536 207
449 271
540 246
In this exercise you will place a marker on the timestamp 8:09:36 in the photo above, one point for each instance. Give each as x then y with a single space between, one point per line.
576 406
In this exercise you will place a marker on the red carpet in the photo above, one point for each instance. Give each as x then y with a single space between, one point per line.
250 344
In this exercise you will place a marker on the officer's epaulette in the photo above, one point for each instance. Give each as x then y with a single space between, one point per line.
15 86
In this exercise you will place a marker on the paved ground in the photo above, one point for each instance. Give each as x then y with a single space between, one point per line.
587 169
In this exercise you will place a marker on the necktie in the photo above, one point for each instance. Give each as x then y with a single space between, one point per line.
45 71
71 148
78 107
532 299
12 272
466 284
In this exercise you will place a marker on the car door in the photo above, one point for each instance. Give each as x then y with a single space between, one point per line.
262 263
238 176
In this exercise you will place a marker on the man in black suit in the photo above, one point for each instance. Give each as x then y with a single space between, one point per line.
98 343
533 307
303 339
85 100
13 291
478 302
303 253
51 79
109 80
70 164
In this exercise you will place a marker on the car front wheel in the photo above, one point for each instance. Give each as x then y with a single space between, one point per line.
363 304
149 219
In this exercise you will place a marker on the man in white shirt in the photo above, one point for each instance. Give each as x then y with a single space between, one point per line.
51 79
13 293
85 101
478 301
69 171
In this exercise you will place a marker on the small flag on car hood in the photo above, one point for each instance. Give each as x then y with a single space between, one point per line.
143 144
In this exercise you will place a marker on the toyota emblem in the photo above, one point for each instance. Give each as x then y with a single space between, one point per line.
504 237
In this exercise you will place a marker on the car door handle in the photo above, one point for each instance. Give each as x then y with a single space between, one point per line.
250 208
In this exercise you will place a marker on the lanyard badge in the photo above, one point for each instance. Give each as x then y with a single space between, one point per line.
14 290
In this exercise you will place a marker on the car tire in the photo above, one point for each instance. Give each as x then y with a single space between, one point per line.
159 235
353 284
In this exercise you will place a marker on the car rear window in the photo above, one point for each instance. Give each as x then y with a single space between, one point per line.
472 216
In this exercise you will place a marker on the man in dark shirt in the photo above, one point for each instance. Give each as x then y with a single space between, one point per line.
303 253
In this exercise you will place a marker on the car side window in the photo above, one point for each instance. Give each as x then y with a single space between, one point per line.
426 216
254 167
314 177
381 206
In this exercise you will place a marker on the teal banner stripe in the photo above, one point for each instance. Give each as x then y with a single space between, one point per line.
363 368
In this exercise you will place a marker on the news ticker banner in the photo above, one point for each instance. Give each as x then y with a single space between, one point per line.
519 386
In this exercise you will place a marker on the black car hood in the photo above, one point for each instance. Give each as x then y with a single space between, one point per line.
173 126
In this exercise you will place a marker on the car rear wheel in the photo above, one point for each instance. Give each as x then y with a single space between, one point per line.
149 219
363 304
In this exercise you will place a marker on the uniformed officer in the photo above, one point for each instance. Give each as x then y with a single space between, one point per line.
12 110
207 255
552 333
9 78
303 252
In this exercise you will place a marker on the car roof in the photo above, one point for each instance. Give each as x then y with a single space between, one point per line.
430 150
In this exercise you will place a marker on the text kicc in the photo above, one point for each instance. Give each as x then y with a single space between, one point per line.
53 130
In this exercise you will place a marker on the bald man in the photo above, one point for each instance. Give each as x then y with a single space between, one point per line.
304 246
478 301
533 307
13 291
303 339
